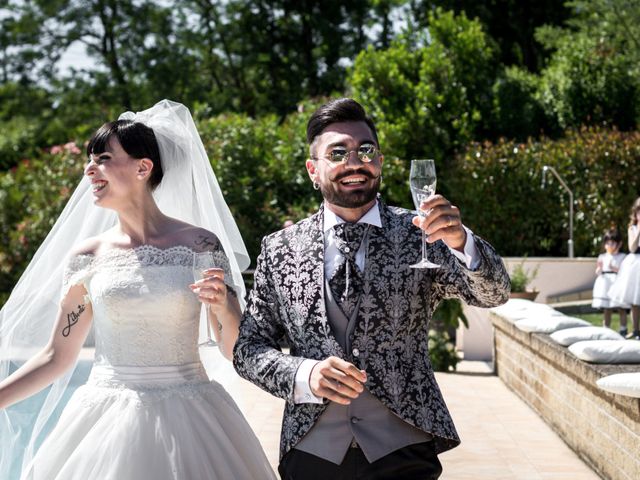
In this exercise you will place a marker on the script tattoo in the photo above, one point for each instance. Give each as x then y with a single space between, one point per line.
72 319
204 241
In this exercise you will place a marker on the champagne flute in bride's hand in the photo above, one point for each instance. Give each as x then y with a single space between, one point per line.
422 180
201 262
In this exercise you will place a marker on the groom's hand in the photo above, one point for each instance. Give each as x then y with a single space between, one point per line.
442 222
337 380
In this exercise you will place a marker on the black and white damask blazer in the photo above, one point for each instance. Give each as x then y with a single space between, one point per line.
392 326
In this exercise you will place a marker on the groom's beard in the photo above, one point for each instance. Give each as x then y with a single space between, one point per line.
351 199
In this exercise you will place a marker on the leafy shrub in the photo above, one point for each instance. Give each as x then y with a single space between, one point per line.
442 335
17 140
32 195
517 110
260 165
442 351
589 80
520 278
429 93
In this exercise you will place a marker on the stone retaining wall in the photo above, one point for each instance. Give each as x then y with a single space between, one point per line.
601 427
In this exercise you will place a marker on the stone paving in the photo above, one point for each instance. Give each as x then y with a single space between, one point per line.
502 438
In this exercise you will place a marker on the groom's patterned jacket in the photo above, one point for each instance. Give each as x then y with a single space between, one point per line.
391 335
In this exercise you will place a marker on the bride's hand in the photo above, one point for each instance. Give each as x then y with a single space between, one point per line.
211 290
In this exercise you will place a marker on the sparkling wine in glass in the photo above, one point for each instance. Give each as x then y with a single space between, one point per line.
201 262
422 180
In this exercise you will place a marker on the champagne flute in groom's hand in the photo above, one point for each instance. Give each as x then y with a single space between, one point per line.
422 180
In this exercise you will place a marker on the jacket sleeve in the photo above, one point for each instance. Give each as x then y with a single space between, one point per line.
257 355
486 286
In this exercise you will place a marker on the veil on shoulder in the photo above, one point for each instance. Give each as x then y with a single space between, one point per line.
189 191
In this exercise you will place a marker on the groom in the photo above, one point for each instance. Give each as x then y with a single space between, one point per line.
362 400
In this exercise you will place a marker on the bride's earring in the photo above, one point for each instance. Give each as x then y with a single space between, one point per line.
316 185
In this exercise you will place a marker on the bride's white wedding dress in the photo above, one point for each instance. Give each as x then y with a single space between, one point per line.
148 410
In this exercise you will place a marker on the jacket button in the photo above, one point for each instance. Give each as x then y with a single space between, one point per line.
355 352
355 419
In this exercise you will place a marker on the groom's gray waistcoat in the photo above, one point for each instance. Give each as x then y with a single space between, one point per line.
373 426
392 328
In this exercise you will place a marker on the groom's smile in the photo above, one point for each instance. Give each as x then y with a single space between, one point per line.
352 181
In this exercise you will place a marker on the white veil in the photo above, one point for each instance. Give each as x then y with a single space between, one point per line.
188 191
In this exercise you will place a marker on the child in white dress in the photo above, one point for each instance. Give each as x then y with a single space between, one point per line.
607 269
626 288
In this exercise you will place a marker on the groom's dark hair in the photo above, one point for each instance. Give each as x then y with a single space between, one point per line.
339 110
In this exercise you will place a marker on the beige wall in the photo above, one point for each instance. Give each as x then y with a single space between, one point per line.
601 427
556 276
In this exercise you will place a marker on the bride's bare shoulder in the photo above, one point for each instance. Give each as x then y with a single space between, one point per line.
92 245
197 238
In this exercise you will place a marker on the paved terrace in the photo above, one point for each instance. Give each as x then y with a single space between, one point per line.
502 438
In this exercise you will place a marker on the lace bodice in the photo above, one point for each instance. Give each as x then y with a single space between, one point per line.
144 313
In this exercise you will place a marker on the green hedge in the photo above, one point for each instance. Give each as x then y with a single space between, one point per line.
259 164
32 195
260 167
498 188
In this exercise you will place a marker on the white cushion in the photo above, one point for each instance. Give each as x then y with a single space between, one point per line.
549 323
517 308
622 383
518 303
569 336
607 351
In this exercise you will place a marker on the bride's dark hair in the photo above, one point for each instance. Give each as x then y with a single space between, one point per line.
136 139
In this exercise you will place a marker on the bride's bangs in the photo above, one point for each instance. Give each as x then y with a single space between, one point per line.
99 142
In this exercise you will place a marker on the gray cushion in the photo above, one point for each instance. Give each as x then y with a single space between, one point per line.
549 323
622 383
607 351
569 336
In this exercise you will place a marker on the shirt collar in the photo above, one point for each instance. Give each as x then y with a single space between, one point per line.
372 217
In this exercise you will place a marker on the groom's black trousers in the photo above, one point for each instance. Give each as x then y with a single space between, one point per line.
414 462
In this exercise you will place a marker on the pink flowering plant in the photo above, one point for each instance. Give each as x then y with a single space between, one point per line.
32 195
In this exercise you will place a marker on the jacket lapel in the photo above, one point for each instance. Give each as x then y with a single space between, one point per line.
317 322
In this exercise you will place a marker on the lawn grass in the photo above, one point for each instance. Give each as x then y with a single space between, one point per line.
596 319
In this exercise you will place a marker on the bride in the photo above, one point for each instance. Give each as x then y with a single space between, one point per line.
147 203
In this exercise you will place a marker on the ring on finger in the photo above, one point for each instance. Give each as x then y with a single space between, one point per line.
450 221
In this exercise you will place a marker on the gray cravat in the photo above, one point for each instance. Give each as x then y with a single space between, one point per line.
346 281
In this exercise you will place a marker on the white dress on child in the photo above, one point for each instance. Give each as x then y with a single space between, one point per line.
605 280
626 288
148 410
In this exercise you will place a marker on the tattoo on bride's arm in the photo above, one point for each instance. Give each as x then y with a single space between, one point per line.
72 319
207 241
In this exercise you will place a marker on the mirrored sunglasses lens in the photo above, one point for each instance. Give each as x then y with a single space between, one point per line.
337 156
366 156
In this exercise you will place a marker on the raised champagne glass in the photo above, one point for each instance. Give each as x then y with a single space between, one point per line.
422 180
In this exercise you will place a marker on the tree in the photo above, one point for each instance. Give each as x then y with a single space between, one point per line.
116 33
429 93
593 75
292 50
511 23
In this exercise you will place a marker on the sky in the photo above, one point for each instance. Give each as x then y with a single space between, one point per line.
76 57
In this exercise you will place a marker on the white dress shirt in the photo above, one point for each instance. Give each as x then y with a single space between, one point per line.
302 390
